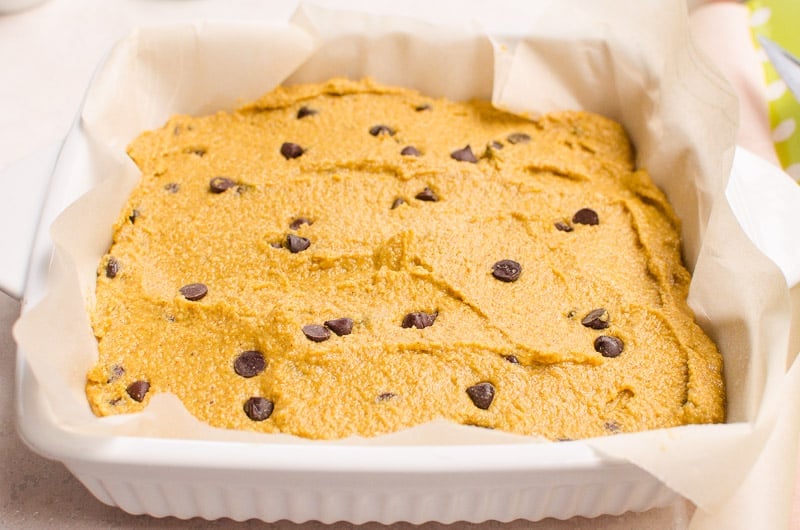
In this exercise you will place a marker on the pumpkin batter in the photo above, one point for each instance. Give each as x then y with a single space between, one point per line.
352 259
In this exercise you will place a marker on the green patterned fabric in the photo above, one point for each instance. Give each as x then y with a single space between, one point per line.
779 20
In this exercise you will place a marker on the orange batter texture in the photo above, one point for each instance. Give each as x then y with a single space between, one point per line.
348 258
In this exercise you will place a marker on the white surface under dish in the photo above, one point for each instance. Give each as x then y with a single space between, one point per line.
321 481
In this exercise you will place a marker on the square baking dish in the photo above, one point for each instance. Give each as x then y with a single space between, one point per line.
446 481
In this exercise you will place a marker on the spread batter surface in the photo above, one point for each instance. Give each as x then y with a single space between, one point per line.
348 258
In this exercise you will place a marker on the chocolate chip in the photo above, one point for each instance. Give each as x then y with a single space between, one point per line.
290 150
397 202
220 184
135 214
410 151
586 216
496 145
116 372
276 244
305 111
385 396
194 291
427 195
518 138
249 363
511 358
596 319
424 106
612 426
381 129
564 227
340 326
300 221
481 395
112 267
506 270
138 390
172 187
608 346
258 408
297 244
419 320
316 333
464 155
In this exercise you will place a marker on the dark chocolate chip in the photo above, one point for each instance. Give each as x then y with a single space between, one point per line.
385 396
305 111
397 202
297 244
506 270
518 138
419 320
135 214
290 150
427 195
511 358
220 184
481 395
586 216
138 390
424 106
464 155
340 326
258 408
300 221
496 145
249 363
194 291
316 333
112 267
410 151
612 426
564 227
596 319
608 346
172 187
117 371
381 129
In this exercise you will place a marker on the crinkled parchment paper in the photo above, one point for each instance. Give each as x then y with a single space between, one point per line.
633 62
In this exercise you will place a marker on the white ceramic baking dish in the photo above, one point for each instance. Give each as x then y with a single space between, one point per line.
321 481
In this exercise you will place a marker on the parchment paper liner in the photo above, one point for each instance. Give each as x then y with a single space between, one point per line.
632 62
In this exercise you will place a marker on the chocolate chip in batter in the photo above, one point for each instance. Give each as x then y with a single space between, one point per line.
249 363
424 106
194 291
135 214
377 130
419 320
300 221
305 111
608 346
258 408
564 227
172 187
340 326
518 138
586 216
138 390
115 373
297 244
220 184
494 144
290 150
464 155
511 358
481 394
316 333
112 267
397 202
427 195
410 150
596 319
385 396
506 270
612 427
